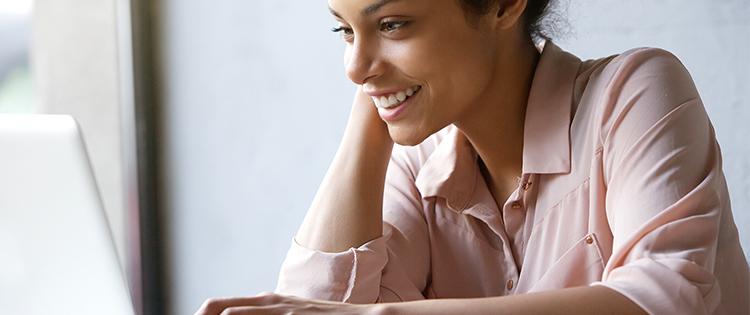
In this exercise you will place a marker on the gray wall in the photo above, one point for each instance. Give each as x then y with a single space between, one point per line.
256 102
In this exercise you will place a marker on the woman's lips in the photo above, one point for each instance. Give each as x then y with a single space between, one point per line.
395 112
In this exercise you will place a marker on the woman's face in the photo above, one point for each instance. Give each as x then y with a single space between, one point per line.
426 48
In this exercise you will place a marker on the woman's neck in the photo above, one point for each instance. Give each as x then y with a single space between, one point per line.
495 127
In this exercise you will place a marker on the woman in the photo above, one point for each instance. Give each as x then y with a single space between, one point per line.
524 181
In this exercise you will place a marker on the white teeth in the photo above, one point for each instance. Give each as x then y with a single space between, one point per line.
401 96
383 101
394 99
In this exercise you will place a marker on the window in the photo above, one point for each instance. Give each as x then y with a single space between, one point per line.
16 88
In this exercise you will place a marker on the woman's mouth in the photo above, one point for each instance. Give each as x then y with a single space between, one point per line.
391 106
395 99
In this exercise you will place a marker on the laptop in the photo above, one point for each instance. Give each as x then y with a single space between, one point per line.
57 255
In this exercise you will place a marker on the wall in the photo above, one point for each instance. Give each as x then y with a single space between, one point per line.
256 102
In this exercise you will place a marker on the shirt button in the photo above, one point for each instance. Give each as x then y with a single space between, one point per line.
509 285
515 205
526 186
589 240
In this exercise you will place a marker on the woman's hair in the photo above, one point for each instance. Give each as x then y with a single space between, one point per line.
534 16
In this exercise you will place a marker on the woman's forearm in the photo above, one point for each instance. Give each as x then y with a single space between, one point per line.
347 209
581 301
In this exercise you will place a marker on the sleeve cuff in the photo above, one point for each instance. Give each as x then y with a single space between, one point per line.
352 276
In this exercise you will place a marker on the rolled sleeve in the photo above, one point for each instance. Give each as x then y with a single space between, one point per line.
349 276
391 268
665 189
659 288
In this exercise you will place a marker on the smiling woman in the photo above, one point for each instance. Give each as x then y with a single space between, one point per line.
483 172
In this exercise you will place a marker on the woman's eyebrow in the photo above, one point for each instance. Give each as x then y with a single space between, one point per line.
376 6
369 10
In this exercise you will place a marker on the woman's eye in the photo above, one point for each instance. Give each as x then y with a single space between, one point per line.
339 29
346 32
391 26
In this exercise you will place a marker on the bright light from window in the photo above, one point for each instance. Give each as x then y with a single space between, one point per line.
16 7
16 90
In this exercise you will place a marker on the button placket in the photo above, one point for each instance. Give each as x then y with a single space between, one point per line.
514 219
524 185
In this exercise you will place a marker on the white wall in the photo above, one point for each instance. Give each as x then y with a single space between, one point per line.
256 102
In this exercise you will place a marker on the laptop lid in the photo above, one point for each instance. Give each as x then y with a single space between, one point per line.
57 255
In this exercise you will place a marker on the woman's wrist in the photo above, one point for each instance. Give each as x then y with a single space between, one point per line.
364 117
366 131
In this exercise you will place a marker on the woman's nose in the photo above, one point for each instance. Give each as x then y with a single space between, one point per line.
361 62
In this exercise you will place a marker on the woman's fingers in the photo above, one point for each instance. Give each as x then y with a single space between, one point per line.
269 303
215 306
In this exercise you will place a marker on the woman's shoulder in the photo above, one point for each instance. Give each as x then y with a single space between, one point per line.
644 83
637 54
642 66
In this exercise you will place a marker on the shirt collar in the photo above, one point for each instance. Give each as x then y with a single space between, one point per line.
451 170
546 133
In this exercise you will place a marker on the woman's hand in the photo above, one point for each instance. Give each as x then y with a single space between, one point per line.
365 118
271 304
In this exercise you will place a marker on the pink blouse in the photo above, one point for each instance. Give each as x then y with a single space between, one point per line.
622 186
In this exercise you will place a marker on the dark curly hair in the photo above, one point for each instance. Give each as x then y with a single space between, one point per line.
536 11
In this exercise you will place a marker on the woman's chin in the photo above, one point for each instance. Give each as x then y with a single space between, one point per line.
406 137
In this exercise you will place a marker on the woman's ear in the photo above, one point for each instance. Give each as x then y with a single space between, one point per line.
509 12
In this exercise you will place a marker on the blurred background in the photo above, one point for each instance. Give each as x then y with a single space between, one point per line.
15 79
211 123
